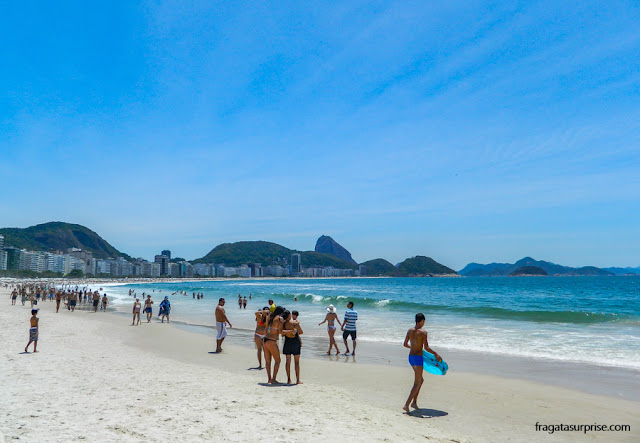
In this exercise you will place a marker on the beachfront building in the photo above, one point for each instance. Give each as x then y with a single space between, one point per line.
163 261
296 263
1 242
3 260
166 253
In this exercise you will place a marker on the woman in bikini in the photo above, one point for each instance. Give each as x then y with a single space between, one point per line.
136 311
274 326
331 328
261 326
292 343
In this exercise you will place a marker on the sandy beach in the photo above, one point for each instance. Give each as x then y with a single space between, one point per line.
96 378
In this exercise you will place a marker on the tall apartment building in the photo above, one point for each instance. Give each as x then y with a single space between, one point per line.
296 263
3 260
1 242
167 253
163 261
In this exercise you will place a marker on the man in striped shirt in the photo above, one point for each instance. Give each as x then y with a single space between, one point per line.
349 327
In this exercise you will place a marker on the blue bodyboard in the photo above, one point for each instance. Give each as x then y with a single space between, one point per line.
433 366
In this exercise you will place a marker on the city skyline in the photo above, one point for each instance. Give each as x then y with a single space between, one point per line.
464 132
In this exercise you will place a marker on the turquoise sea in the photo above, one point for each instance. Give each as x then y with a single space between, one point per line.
579 319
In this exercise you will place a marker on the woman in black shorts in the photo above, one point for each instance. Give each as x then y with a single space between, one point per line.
292 343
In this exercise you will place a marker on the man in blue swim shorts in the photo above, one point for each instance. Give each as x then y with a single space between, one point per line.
416 340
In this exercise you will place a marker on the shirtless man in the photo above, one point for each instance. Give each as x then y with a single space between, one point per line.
58 299
73 299
105 300
33 331
147 308
96 300
240 301
261 327
331 327
416 340
221 324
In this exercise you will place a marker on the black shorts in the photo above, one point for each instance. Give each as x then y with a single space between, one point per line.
346 335
72 302
95 302
291 346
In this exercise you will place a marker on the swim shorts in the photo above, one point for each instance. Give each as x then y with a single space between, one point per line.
346 334
222 330
291 346
415 360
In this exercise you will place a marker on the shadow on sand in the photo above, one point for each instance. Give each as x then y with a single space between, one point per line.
278 385
426 413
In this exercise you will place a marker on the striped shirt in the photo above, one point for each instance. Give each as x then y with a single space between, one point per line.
350 317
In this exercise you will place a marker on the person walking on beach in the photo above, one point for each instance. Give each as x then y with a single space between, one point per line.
147 308
331 327
271 351
96 300
136 311
292 344
58 299
416 341
165 308
73 299
221 324
258 337
33 331
105 300
14 297
349 327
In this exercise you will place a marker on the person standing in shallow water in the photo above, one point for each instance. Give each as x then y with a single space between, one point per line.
331 327
416 341
349 327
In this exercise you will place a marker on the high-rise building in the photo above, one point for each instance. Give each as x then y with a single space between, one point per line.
13 258
296 265
163 261
1 242
167 253
3 260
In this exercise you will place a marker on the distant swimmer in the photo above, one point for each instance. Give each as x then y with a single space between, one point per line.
244 302
221 324
331 327
416 340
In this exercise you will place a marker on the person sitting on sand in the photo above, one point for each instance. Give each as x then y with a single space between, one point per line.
292 343
261 326
416 340
33 331
165 308
221 324
271 351
147 308
331 328
136 311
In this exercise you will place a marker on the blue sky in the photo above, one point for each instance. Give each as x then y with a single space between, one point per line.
465 131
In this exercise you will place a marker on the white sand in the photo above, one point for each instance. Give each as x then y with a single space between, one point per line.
98 379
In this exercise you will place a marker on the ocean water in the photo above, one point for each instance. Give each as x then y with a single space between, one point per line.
594 320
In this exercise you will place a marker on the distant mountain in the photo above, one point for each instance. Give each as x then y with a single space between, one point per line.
623 271
422 266
498 269
327 245
380 267
528 270
59 236
267 253
477 268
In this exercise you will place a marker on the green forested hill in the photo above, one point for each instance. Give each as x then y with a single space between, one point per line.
380 266
267 253
421 265
59 236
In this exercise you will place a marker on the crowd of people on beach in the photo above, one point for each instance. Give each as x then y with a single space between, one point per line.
272 323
